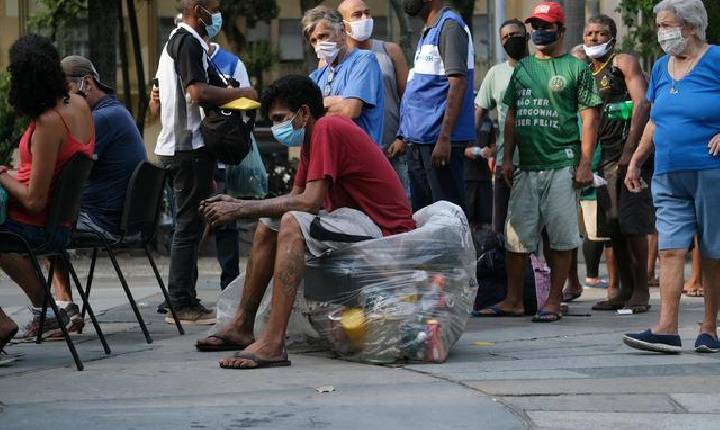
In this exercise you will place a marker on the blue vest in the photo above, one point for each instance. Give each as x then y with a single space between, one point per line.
226 62
423 105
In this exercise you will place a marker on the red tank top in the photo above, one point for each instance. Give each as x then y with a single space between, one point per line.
72 146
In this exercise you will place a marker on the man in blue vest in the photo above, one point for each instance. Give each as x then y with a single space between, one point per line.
436 113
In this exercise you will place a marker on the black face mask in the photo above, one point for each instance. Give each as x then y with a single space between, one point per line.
413 7
516 47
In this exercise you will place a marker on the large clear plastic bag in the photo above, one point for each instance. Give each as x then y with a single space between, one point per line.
400 298
248 179
403 297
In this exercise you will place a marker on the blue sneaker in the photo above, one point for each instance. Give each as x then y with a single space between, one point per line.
647 341
707 343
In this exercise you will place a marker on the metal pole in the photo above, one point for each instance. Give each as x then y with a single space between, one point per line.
500 16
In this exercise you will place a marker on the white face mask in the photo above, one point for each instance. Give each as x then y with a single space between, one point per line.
327 51
599 51
672 41
361 30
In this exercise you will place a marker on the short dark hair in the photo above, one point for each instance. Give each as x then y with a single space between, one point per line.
37 80
513 21
294 91
605 20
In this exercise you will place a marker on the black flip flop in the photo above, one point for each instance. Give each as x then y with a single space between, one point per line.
225 346
496 313
260 363
569 297
607 305
547 317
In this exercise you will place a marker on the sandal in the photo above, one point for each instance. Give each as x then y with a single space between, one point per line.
569 297
547 317
638 309
258 363
695 293
496 312
607 305
223 346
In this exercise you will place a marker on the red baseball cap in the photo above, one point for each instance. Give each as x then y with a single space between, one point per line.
548 11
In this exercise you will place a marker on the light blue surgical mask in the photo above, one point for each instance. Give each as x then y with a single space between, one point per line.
286 134
214 28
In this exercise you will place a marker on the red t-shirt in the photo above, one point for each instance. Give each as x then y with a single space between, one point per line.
360 175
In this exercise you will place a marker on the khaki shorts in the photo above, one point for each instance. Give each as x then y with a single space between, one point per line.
543 200
588 221
344 220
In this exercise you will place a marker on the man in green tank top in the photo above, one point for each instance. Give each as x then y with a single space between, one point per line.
544 97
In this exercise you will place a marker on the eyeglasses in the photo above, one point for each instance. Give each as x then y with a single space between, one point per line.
329 81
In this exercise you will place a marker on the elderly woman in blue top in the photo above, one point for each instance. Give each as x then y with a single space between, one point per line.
350 79
685 132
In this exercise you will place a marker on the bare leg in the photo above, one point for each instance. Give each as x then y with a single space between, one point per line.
574 286
641 290
652 256
289 270
694 285
7 326
611 269
21 271
672 262
711 276
560 267
61 281
257 276
625 263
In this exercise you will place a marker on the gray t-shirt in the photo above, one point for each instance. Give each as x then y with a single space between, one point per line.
453 47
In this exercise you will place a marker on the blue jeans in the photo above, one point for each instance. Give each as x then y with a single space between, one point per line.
687 203
38 236
429 184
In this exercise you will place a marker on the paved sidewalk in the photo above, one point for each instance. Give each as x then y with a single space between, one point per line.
503 374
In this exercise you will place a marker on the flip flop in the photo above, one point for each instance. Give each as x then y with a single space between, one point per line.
225 345
260 363
569 297
639 309
547 317
607 305
496 312
695 293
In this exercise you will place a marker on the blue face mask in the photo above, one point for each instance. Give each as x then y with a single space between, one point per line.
214 28
286 134
545 37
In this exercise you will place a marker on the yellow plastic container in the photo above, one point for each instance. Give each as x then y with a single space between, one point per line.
243 103
353 322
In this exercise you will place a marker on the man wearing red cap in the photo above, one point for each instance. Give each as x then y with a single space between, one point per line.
545 95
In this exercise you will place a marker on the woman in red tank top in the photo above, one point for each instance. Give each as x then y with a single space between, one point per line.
61 127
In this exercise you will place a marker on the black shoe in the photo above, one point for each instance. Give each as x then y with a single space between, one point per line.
162 308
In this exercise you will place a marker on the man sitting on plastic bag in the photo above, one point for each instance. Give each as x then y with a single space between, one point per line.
341 171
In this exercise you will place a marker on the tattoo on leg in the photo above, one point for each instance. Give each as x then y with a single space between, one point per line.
291 276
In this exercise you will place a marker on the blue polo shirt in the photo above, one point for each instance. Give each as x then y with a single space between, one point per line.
119 149
358 76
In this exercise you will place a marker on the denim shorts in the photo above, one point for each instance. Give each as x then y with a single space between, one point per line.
38 236
688 203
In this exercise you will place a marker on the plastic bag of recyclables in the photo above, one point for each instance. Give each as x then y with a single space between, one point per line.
400 298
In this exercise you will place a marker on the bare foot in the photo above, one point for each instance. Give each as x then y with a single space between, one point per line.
227 335
254 355
693 288
8 329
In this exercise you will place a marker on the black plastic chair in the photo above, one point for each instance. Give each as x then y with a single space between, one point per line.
138 227
63 209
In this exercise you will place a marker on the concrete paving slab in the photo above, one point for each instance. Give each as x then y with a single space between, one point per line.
622 421
595 403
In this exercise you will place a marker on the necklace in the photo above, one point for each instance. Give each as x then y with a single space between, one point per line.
690 66
600 69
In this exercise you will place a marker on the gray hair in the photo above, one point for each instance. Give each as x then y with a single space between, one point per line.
691 12
321 13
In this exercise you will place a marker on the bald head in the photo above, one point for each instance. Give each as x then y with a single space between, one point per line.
187 7
354 10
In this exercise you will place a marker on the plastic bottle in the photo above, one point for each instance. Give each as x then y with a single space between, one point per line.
621 111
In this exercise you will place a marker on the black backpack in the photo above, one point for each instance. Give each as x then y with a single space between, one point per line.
226 134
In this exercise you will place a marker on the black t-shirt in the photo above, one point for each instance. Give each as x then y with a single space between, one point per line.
188 54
